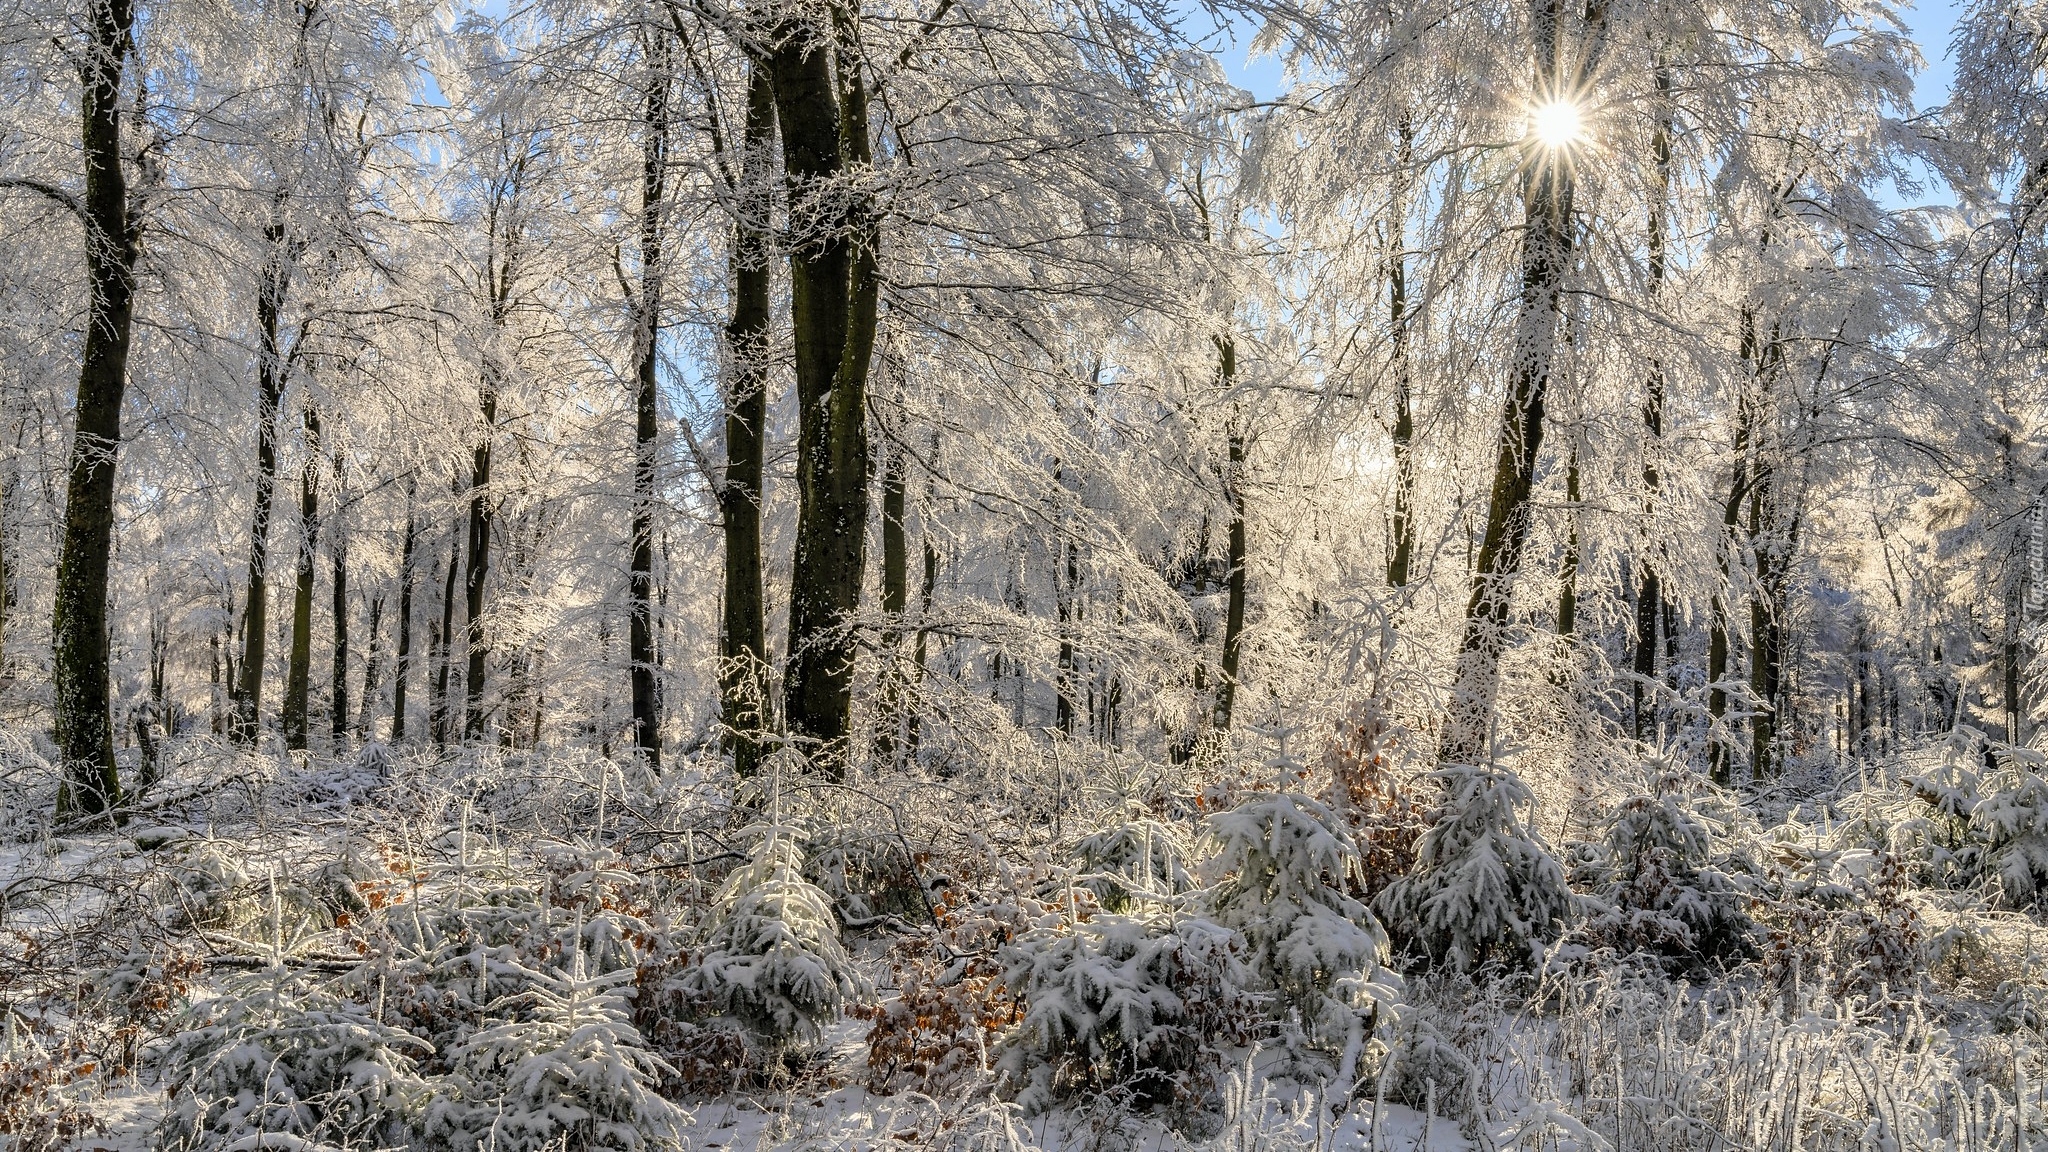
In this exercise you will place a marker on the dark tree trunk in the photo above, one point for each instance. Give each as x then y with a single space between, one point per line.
895 601
299 665
477 573
402 669
338 690
373 668
743 635
2010 662
1718 758
84 705
1401 554
646 397
215 695
1568 593
444 640
1650 589
1069 602
1235 547
912 723
821 102
1547 191
271 372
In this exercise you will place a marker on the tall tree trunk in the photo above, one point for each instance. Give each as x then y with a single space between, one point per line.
84 720
402 669
9 482
373 668
1547 190
338 690
646 395
1069 605
895 601
1650 588
215 697
444 639
1568 591
477 573
1401 554
271 372
821 102
1771 545
2010 661
1235 546
299 665
912 724
743 634
1718 758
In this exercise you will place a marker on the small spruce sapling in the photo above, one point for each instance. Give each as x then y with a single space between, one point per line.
1658 884
1286 867
1486 889
280 1058
1121 1004
2011 821
561 1067
1137 856
771 960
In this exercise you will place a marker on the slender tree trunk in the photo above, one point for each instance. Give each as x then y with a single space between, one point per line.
1718 758
84 705
912 724
895 601
1859 697
227 664
299 666
2010 661
1402 552
1235 546
215 696
477 574
1069 603
8 483
1568 592
445 642
821 101
402 670
373 668
1766 616
1650 588
338 690
743 635
1547 190
271 372
646 396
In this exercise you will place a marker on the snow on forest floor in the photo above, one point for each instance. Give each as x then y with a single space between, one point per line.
257 905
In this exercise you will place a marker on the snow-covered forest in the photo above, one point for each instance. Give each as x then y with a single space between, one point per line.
943 574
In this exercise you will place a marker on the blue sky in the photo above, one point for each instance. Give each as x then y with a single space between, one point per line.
1931 24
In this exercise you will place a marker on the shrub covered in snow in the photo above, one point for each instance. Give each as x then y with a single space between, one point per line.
2011 820
1658 882
281 1055
1285 866
1121 1004
1136 855
1485 889
770 960
557 1065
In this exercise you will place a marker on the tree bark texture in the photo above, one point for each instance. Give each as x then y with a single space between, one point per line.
1547 191
299 664
84 720
743 632
821 103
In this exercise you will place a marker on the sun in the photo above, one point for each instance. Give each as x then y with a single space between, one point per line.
1557 124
